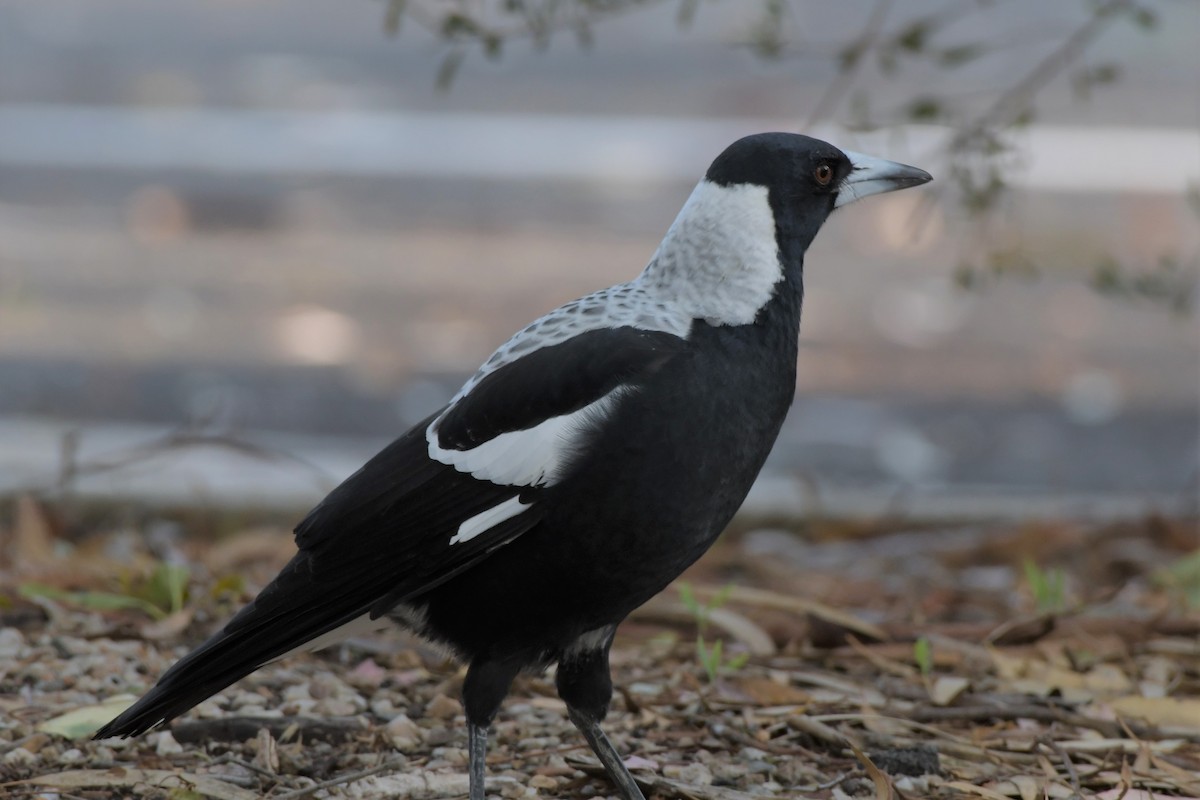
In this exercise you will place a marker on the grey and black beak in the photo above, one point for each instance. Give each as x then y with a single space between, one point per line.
870 175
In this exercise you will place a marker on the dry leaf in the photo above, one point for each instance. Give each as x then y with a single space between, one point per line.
134 778
972 789
1181 712
267 757
170 626
883 784
1121 793
946 689
766 692
33 535
83 722
274 545
1037 677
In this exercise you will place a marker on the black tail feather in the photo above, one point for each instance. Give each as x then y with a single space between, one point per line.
285 616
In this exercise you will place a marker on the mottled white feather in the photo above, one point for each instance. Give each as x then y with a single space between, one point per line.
628 304
719 261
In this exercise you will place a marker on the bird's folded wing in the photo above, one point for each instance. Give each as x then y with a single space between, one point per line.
488 457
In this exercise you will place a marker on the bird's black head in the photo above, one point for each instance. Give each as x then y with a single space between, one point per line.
806 179
744 229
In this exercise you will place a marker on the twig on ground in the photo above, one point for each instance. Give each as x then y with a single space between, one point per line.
1068 764
1107 728
239 729
387 766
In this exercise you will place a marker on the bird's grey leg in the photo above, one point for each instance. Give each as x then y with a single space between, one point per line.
608 755
484 689
585 686
477 736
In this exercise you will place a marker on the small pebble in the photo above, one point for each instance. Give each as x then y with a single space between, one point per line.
72 756
443 707
695 774
19 756
11 643
439 736
403 733
543 782
167 746
383 707
334 707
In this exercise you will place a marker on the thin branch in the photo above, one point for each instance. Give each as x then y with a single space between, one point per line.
841 84
1009 105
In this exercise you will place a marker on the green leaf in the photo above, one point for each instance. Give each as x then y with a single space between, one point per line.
448 69
456 25
713 666
393 16
925 109
721 597
92 601
1048 586
1183 577
914 37
850 55
961 54
688 597
1145 18
167 587
923 656
686 14
738 661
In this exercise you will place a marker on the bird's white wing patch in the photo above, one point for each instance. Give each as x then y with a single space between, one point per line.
531 457
486 520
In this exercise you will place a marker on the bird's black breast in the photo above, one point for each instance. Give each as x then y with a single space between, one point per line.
649 491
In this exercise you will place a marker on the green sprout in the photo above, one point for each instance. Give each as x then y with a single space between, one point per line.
710 656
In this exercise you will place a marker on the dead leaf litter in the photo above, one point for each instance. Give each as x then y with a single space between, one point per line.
1019 660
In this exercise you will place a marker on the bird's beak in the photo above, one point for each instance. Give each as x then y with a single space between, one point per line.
870 175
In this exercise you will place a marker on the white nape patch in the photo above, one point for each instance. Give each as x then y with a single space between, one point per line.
359 626
719 260
531 457
486 520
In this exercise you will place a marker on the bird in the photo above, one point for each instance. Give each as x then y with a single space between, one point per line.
592 458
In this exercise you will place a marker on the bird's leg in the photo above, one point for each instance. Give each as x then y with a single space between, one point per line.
585 686
608 755
484 689
477 736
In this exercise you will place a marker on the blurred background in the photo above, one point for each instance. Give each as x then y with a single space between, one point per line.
245 244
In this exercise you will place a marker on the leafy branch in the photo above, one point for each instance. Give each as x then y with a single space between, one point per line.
980 150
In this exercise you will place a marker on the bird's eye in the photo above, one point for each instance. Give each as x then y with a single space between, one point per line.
823 174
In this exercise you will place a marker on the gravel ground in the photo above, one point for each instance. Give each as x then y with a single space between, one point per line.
860 658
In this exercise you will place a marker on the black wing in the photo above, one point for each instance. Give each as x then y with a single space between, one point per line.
387 533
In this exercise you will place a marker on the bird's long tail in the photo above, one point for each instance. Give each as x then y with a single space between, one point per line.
287 615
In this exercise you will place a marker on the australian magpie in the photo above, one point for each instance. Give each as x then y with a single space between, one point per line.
588 462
